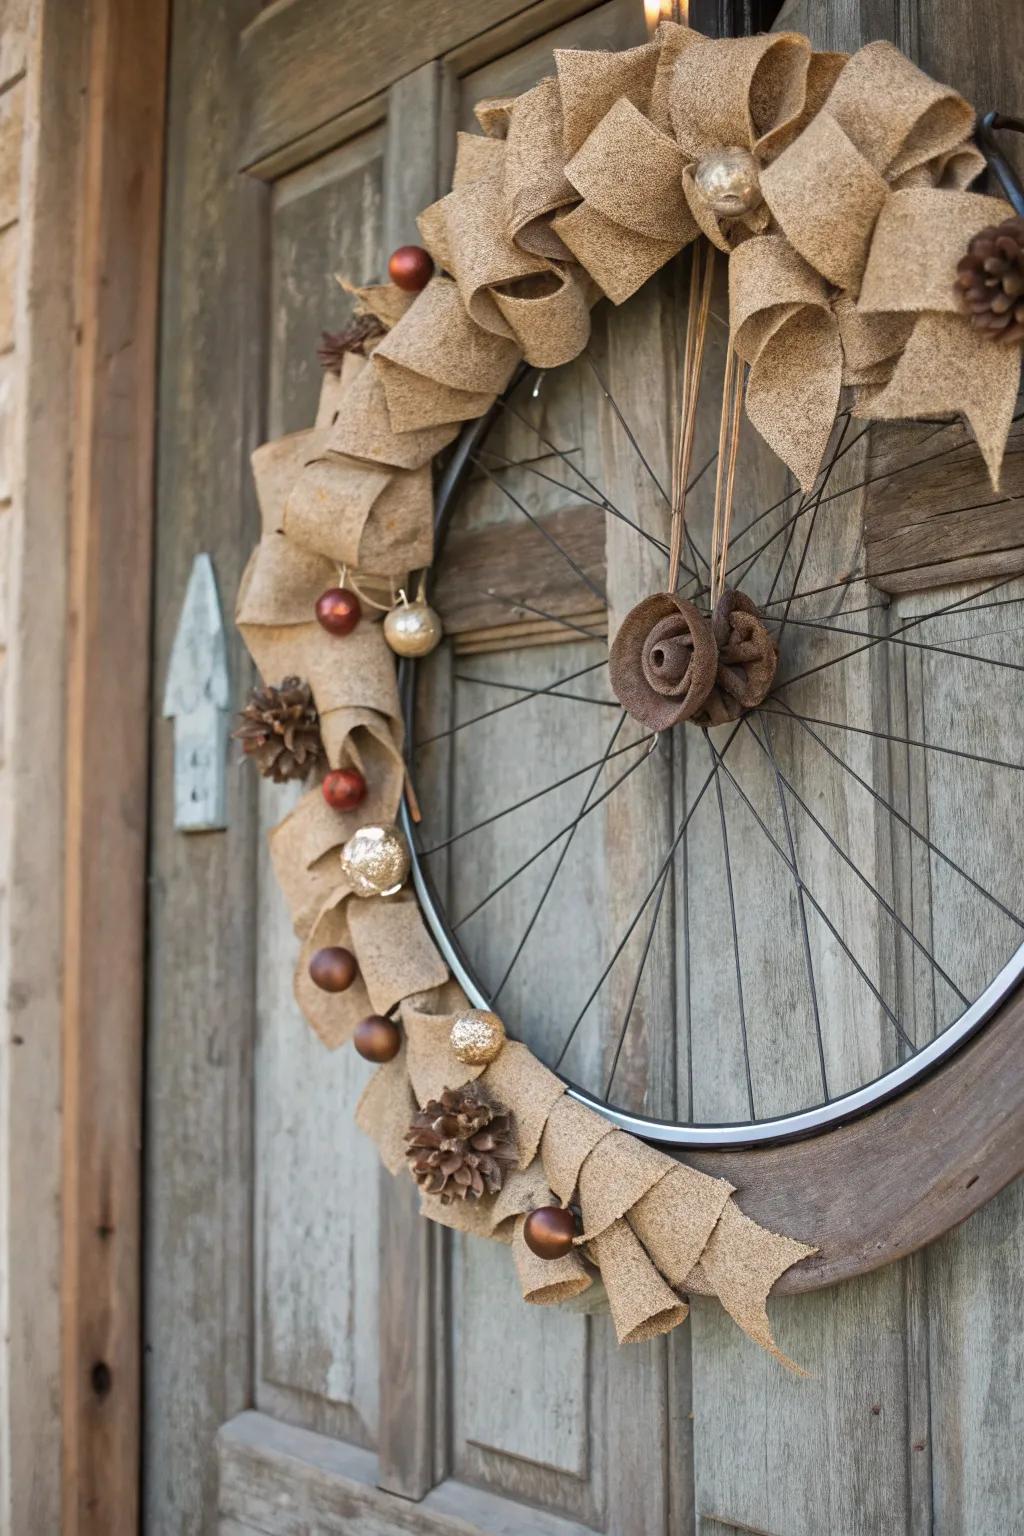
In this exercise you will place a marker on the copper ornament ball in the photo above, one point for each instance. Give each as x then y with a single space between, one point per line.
343 789
377 1038
413 629
338 610
333 969
549 1231
410 268
729 179
476 1037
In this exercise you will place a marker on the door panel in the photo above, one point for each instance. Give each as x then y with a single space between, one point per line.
386 1352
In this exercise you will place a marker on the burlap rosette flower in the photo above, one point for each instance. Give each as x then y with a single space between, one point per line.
671 663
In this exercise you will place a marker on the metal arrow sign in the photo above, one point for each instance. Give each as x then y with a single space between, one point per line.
196 698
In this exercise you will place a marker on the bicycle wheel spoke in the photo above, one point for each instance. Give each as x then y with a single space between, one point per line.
905 822
603 504
643 905
531 693
735 930
862 877
698 554
552 618
916 645
799 888
877 639
493 682
637 979
901 741
538 794
815 903
542 529
562 855
549 844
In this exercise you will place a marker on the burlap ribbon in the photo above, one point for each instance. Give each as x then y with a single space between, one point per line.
669 662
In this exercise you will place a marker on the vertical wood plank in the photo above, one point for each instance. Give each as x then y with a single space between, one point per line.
37 465
408 1247
833 1452
200 1028
969 1442
316 1279
107 763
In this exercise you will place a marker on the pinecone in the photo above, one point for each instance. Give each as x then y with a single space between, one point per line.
990 281
353 338
460 1146
280 729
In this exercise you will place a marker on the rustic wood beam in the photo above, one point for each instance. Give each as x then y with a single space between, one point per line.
107 762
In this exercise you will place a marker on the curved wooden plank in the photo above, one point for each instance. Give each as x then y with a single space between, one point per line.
879 1188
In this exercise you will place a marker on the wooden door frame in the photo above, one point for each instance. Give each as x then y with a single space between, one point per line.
122 66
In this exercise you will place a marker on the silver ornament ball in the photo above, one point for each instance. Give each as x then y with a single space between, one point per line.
476 1037
375 861
729 182
412 629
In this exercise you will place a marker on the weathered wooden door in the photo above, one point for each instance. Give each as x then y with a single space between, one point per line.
317 1358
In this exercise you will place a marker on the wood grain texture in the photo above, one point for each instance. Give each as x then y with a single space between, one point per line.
317 1275
487 573
37 461
408 1254
932 518
281 1481
874 1190
107 764
307 61
198 1274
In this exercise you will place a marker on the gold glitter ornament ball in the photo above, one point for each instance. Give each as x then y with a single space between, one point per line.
477 1037
375 861
412 629
728 179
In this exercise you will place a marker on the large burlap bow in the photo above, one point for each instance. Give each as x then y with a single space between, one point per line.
793 314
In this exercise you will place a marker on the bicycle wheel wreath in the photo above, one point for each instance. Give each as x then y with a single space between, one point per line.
835 188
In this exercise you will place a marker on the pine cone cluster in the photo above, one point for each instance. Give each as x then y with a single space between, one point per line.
280 730
353 338
990 281
460 1146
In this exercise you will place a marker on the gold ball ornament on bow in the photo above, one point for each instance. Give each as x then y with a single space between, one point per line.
375 861
412 629
729 181
477 1037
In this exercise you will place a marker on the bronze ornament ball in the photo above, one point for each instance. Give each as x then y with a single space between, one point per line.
476 1037
333 969
410 268
377 1038
338 610
549 1231
413 629
343 789
729 179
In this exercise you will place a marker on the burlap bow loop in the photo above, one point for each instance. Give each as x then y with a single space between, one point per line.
512 301
883 119
278 624
751 93
946 368
783 324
